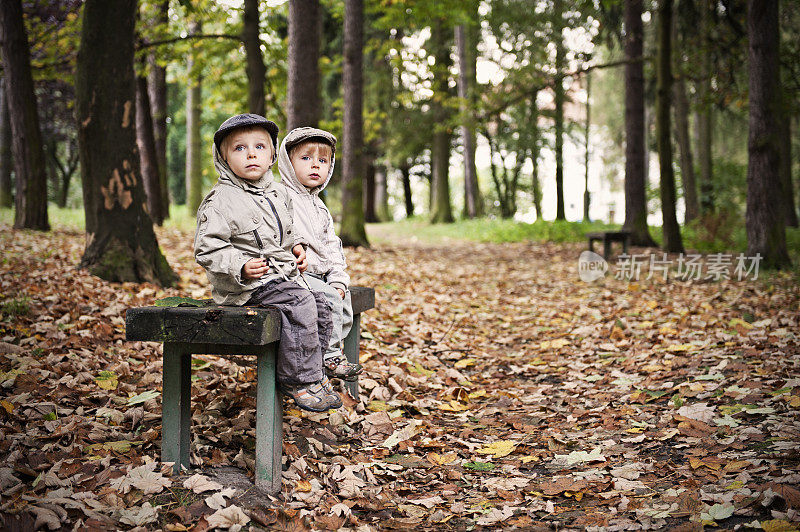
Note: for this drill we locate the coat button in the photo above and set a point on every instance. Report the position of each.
(255, 220)
(289, 232)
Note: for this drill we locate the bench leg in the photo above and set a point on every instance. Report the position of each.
(606, 248)
(269, 424)
(175, 410)
(626, 244)
(351, 352)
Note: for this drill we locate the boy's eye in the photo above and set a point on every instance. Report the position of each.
(323, 160)
(260, 146)
(239, 148)
(305, 157)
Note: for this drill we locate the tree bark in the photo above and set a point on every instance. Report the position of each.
(787, 187)
(6, 193)
(586, 195)
(682, 138)
(405, 170)
(635, 200)
(193, 176)
(148, 160)
(370, 215)
(688, 178)
(382, 194)
(466, 46)
(766, 233)
(441, 209)
(558, 14)
(353, 232)
(302, 93)
(157, 88)
(120, 242)
(671, 230)
(704, 114)
(29, 164)
(256, 71)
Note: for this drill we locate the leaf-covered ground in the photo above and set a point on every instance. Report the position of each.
(501, 392)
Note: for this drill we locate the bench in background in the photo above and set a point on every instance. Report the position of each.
(608, 237)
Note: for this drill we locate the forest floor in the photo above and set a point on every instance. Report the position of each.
(501, 391)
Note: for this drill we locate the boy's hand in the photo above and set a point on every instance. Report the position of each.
(300, 253)
(254, 268)
(341, 292)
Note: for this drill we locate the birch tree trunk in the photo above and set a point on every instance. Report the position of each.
(148, 160)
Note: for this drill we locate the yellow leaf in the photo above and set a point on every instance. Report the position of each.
(794, 401)
(464, 363)
(695, 462)
(9, 407)
(529, 458)
(499, 448)
(303, 486)
(778, 525)
(652, 304)
(666, 329)
(681, 347)
(378, 406)
(479, 393)
(453, 406)
(740, 322)
(441, 459)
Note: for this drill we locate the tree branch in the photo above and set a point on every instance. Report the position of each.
(145, 45)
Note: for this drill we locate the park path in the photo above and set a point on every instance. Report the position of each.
(501, 391)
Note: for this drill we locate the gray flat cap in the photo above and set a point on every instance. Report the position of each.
(247, 120)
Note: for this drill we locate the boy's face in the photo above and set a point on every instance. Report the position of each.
(248, 153)
(312, 163)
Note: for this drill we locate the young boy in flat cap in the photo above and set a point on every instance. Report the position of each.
(305, 162)
(246, 242)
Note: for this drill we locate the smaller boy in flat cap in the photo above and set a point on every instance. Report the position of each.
(246, 242)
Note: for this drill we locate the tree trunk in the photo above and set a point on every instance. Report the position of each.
(303, 106)
(558, 14)
(148, 160)
(787, 187)
(586, 195)
(382, 194)
(688, 178)
(635, 200)
(353, 232)
(6, 193)
(370, 215)
(29, 163)
(536, 187)
(157, 88)
(194, 177)
(405, 170)
(256, 71)
(671, 230)
(704, 117)
(766, 233)
(466, 46)
(441, 209)
(120, 242)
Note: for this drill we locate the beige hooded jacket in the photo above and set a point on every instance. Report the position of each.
(237, 221)
(312, 218)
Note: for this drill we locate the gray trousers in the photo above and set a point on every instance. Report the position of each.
(341, 314)
(305, 329)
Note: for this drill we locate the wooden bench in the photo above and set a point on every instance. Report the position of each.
(608, 237)
(202, 327)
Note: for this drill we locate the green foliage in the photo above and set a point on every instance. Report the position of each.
(20, 306)
(485, 230)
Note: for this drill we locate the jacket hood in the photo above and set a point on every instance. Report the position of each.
(226, 174)
(285, 168)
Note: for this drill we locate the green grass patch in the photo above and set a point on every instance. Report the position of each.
(482, 230)
(75, 220)
(20, 306)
